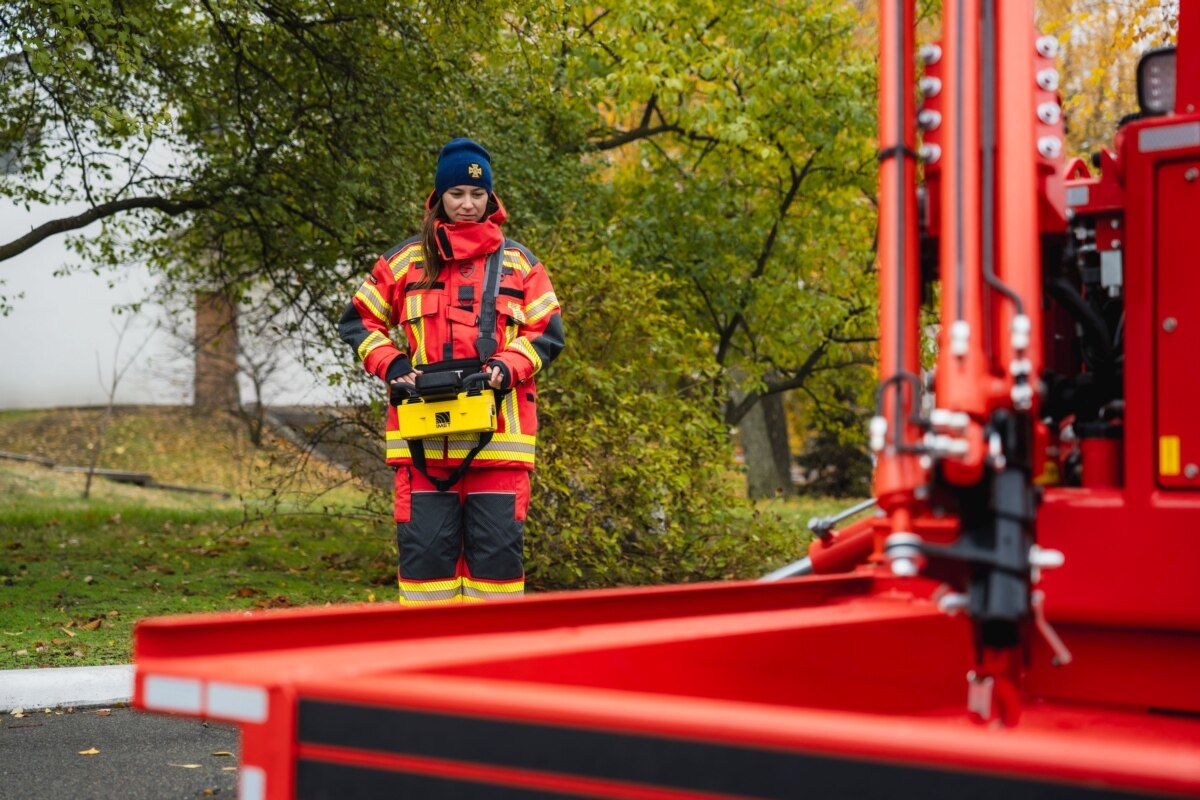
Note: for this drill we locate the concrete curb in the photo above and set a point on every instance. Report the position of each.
(36, 689)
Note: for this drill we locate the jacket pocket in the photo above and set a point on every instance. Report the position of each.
(418, 317)
(418, 305)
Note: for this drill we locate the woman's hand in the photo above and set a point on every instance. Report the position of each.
(496, 379)
(410, 378)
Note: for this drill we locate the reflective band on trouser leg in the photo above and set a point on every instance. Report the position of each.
(430, 593)
(494, 528)
(430, 544)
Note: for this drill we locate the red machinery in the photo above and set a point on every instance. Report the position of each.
(1021, 618)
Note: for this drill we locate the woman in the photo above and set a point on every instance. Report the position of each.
(460, 518)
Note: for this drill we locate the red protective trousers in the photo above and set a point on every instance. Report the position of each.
(465, 544)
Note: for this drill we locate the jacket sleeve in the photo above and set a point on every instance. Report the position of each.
(368, 318)
(539, 337)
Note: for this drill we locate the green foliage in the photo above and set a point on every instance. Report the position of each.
(634, 482)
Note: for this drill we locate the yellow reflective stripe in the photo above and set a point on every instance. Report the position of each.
(516, 313)
(418, 332)
(374, 339)
(506, 446)
(406, 259)
(522, 345)
(430, 592)
(412, 306)
(426, 587)
(512, 420)
(514, 259)
(542, 307)
(374, 300)
(404, 601)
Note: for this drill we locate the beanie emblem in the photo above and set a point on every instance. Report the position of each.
(475, 171)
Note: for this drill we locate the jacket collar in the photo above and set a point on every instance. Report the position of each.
(458, 241)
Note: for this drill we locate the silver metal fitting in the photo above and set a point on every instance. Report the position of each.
(940, 446)
(952, 603)
(1022, 396)
(996, 452)
(960, 337)
(1047, 46)
(930, 153)
(877, 430)
(945, 419)
(1041, 558)
(1047, 79)
(1049, 146)
(1049, 113)
(929, 53)
(930, 86)
(903, 554)
(928, 119)
(1021, 326)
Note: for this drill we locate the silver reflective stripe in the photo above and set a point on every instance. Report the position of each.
(243, 703)
(252, 783)
(1078, 195)
(469, 591)
(171, 694)
(1169, 137)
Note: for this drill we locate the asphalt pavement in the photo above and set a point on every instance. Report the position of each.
(68, 733)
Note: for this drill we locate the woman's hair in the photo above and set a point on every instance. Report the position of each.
(433, 261)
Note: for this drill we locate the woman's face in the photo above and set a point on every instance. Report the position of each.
(465, 203)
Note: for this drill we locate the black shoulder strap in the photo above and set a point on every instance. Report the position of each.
(485, 345)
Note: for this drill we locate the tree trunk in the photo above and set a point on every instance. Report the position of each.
(216, 378)
(764, 435)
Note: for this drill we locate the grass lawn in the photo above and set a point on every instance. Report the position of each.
(75, 574)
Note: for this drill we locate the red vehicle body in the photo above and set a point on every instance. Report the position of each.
(1021, 617)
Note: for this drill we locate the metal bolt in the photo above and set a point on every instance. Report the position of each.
(1191, 174)
(1116, 244)
(1191, 471)
(1114, 223)
(1170, 324)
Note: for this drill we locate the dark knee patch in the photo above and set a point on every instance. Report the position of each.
(494, 536)
(430, 542)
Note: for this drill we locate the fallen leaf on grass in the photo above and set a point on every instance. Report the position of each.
(225, 753)
(245, 591)
(91, 625)
(278, 601)
(185, 766)
(67, 632)
(91, 751)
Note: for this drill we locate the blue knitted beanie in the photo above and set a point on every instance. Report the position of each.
(463, 161)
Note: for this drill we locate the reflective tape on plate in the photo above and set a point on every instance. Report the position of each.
(161, 693)
(252, 783)
(236, 702)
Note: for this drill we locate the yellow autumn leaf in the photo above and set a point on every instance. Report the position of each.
(91, 751)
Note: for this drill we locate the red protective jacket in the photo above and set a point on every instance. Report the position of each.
(441, 323)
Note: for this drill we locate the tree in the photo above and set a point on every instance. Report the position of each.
(745, 168)
(1101, 45)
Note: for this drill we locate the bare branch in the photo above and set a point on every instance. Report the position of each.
(164, 205)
